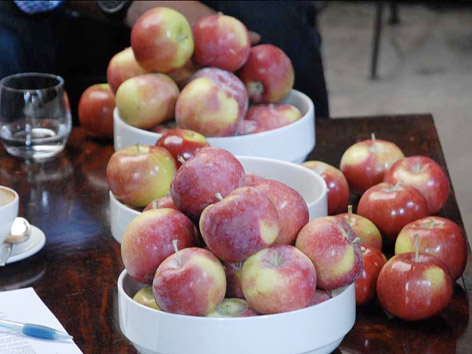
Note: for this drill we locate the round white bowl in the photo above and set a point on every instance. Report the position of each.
(289, 143)
(308, 183)
(315, 329)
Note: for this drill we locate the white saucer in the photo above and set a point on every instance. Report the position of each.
(23, 250)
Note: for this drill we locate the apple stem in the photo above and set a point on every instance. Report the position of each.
(417, 168)
(239, 264)
(417, 248)
(431, 223)
(356, 240)
(219, 196)
(155, 205)
(176, 250)
(372, 136)
(349, 209)
(276, 259)
(137, 148)
(397, 185)
(181, 159)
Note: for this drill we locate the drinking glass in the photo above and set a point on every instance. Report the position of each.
(35, 118)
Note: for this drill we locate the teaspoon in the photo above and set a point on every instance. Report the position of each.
(20, 232)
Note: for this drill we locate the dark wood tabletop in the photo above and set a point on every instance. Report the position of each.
(75, 274)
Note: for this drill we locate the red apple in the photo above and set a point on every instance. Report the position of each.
(249, 127)
(252, 179)
(338, 188)
(123, 66)
(319, 297)
(229, 308)
(221, 41)
(190, 282)
(147, 241)
(233, 280)
(213, 103)
(182, 75)
(139, 174)
(197, 182)
(368, 233)
(424, 174)
(366, 285)
(95, 111)
(278, 279)
(364, 164)
(391, 207)
(438, 236)
(414, 288)
(292, 209)
(182, 143)
(239, 225)
(273, 115)
(147, 100)
(162, 40)
(162, 202)
(330, 244)
(268, 73)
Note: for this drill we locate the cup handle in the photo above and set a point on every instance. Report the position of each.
(5, 251)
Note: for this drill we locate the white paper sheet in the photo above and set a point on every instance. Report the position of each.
(24, 305)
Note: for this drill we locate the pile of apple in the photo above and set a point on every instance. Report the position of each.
(204, 76)
(213, 240)
(398, 199)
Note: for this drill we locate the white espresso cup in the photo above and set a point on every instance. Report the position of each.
(9, 203)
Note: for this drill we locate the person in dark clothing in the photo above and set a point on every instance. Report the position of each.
(76, 40)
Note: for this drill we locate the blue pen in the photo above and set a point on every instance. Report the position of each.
(34, 330)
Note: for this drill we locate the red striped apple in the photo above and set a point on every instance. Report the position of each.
(183, 144)
(162, 40)
(368, 233)
(331, 245)
(292, 209)
(147, 241)
(213, 103)
(198, 181)
(221, 41)
(366, 284)
(95, 111)
(242, 223)
(190, 282)
(278, 279)
(268, 74)
(123, 66)
(338, 188)
(273, 115)
(438, 236)
(139, 174)
(147, 100)
(365, 163)
(424, 174)
(391, 207)
(414, 286)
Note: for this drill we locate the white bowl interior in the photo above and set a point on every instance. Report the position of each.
(308, 183)
(316, 329)
(290, 143)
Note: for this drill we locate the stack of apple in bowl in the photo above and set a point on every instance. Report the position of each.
(236, 250)
(209, 79)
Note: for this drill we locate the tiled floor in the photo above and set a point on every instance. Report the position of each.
(425, 65)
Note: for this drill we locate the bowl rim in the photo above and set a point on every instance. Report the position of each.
(121, 292)
(308, 115)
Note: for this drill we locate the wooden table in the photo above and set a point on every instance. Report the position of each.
(75, 273)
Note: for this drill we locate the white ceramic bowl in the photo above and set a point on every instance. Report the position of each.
(309, 184)
(315, 329)
(290, 143)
